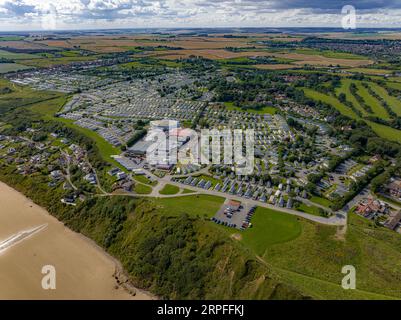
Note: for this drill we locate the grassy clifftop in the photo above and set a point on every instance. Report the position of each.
(177, 257)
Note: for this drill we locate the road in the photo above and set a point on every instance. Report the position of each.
(334, 220)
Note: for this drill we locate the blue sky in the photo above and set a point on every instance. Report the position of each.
(82, 14)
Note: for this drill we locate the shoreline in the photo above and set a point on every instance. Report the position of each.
(102, 264)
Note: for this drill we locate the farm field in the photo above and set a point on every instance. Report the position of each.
(17, 56)
(104, 44)
(10, 67)
(278, 66)
(49, 62)
(318, 60)
(330, 54)
(370, 71)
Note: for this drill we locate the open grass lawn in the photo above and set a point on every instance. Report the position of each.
(370, 71)
(49, 62)
(393, 102)
(345, 88)
(371, 101)
(17, 56)
(270, 227)
(142, 189)
(267, 109)
(309, 209)
(145, 180)
(169, 190)
(10, 67)
(330, 54)
(385, 131)
(185, 191)
(322, 201)
(313, 260)
(381, 130)
(394, 85)
(196, 205)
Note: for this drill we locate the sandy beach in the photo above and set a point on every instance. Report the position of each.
(31, 239)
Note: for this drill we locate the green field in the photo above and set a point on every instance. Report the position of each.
(393, 102)
(309, 209)
(11, 67)
(169, 190)
(332, 101)
(371, 101)
(330, 54)
(17, 56)
(11, 38)
(313, 260)
(48, 62)
(206, 205)
(142, 189)
(381, 130)
(269, 110)
(385, 131)
(345, 88)
(270, 227)
(370, 71)
(394, 85)
(322, 201)
(144, 179)
(18, 96)
(47, 109)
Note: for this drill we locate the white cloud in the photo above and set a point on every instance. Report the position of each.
(73, 14)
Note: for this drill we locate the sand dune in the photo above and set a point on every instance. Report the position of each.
(30, 238)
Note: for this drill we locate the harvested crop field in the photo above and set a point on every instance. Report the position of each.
(299, 59)
(23, 45)
(118, 44)
(214, 54)
(275, 66)
(302, 59)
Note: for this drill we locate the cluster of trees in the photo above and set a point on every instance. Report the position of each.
(342, 97)
(5, 60)
(382, 101)
(138, 135)
(354, 91)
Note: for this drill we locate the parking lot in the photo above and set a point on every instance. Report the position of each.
(234, 214)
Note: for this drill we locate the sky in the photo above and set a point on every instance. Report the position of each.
(24, 15)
